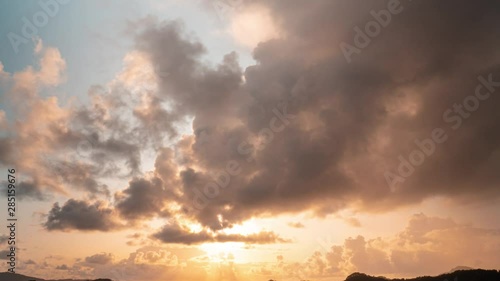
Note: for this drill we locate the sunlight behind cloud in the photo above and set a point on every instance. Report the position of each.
(236, 252)
(249, 140)
(252, 26)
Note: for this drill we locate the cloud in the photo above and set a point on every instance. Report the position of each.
(263, 237)
(4, 253)
(52, 67)
(142, 199)
(338, 126)
(181, 235)
(296, 224)
(3, 120)
(101, 258)
(428, 245)
(62, 267)
(27, 190)
(3, 238)
(80, 175)
(62, 147)
(147, 197)
(28, 82)
(43, 137)
(81, 215)
(145, 263)
(153, 262)
(30, 190)
(352, 221)
(175, 233)
(352, 120)
(30, 262)
(154, 256)
(252, 25)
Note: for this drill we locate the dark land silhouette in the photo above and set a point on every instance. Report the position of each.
(7, 276)
(458, 275)
(454, 275)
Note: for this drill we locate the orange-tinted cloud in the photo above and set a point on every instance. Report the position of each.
(428, 245)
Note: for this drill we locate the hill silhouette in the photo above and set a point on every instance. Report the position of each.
(7, 276)
(459, 275)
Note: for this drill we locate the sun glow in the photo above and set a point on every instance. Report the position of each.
(238, 252)
(246, 228)
(219, 252)
(252, 26)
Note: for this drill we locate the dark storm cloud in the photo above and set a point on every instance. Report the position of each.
(178, 234)
(30, 190)
(27, 190)
(4, 253)
(193, 88)
(62, 267)
(6, 150)
(142, 199)
(307, 128)
(146, 198)
(80, 175)
(81, 215)
(101, 258)
(352, 120)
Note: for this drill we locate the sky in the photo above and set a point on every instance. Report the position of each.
(250, 139)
